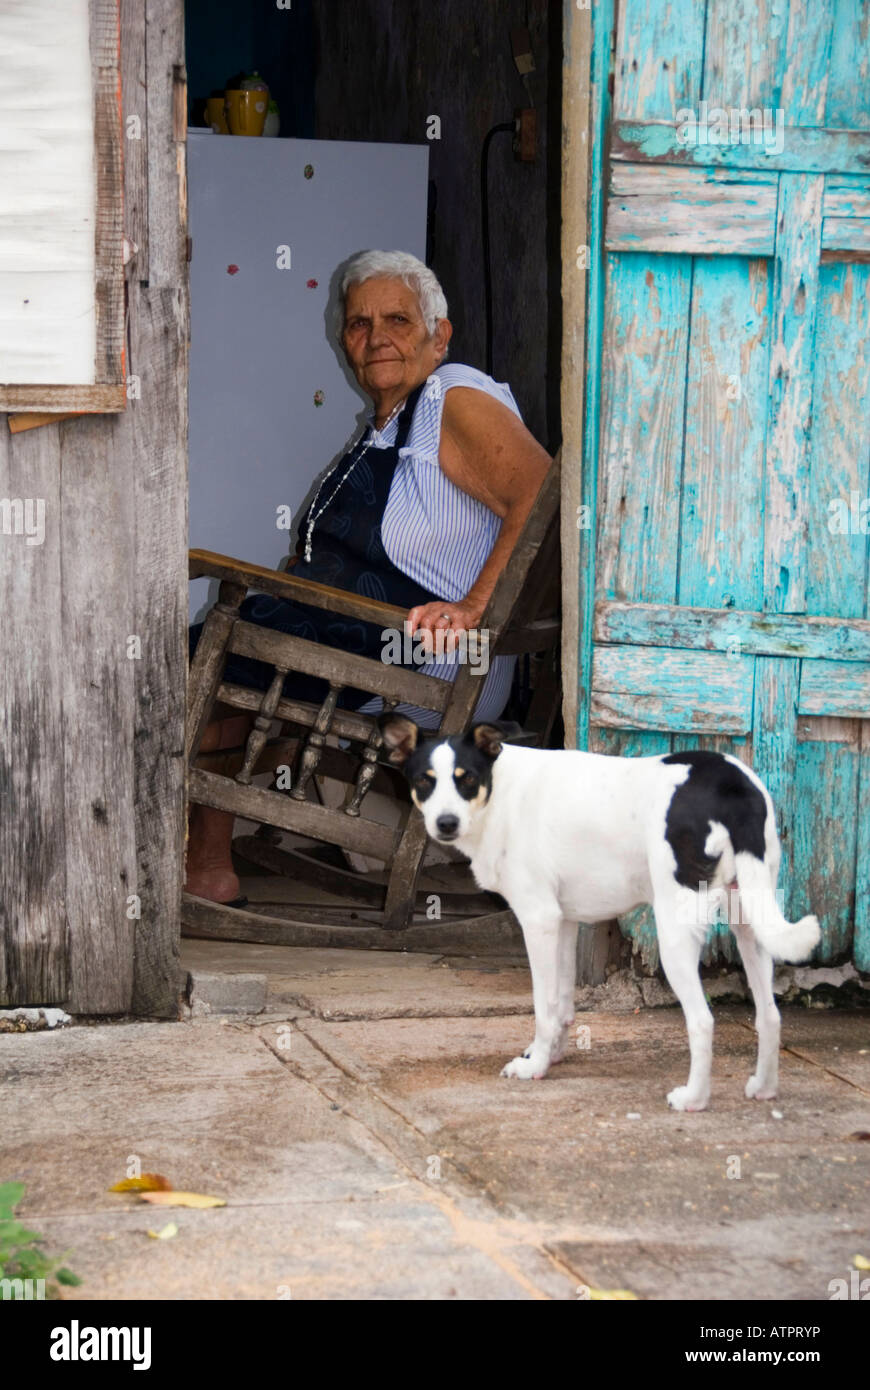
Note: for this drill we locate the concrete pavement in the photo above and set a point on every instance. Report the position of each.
(367, 1147)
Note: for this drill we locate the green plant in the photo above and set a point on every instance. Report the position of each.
(20, 1257)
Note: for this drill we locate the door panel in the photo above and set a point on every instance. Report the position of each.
(730, 552)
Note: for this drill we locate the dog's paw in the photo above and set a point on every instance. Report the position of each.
(523, 1067)
(680, 1098)
(756, 1091)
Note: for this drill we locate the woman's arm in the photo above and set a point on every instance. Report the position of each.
(487, 451)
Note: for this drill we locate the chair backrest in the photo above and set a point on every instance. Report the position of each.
(525, 604)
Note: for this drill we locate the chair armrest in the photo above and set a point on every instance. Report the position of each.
(205, 563)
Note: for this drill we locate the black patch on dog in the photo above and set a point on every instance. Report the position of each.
(475, 764)
(423, 784)
(714, 790)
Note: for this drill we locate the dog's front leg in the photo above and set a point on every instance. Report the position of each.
(542, 935)
(567, 981)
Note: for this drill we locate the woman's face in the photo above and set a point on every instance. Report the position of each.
(385, 337)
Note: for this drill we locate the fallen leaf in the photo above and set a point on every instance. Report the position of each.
(148, 1182)
(166, 1232)
(860, 1134)
(611, 1295)
(181, 1199)
(860, 1262)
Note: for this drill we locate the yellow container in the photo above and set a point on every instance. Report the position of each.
(246, 111)
(216, 112)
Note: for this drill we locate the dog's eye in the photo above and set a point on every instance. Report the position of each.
(468, 781)
(423, 786)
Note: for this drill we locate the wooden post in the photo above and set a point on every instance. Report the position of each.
(92, 805)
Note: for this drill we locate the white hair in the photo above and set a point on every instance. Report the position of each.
(393, 265)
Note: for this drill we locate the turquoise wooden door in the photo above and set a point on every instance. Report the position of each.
(725, 549)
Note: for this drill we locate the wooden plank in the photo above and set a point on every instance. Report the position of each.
(846, 196)
(744, 53)
(160, 333)
(807, 62)
(662, 688)
(804, 149)
(825, 843)
(861, 943)
(722, 492)
(134, 112)
(157, 450)
(753, 634)
(795, 296)
(833, 687)
(281, 585)
(837, 549)
(774, 758)
(98, 715)
(707, 211)
(167, 166)
(846, 215)
(642, 416)
(33, 958)
(829, 728)
(599, 126)
(346, 668)
(109, 229)
(576, 116)
(659, 58)
(846, 234)
(693, 211)
(65, 400)
(849, 73)
(207, 665)
(624, 710)
(303, 817)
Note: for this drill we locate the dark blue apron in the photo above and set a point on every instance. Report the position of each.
(347, 553)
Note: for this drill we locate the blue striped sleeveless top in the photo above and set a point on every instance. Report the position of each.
(437, 533)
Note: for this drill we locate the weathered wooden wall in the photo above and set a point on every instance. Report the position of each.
(382, 69)
(91, 740)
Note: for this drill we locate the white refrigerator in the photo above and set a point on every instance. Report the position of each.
(272, 403)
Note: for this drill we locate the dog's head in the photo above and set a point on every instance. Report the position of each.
(451, 778)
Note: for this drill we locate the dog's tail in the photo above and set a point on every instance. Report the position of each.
(790, 941)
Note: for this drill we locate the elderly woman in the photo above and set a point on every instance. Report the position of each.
(422, 512)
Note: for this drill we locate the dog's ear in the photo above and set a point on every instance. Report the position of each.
(488, 739)
(399, 735)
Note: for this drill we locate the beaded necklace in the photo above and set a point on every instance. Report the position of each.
(313, 515)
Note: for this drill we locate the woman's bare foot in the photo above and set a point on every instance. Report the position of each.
(210, 873)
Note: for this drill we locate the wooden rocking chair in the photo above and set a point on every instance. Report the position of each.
(522, 617)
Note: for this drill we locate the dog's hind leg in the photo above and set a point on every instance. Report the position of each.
(542, 933)
(758, 965)
(680, 940)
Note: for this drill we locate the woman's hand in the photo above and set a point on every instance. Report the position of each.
(444, 616)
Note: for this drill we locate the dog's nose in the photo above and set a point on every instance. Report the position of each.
(447, 825)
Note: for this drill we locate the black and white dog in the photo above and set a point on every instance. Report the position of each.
(569, 837)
